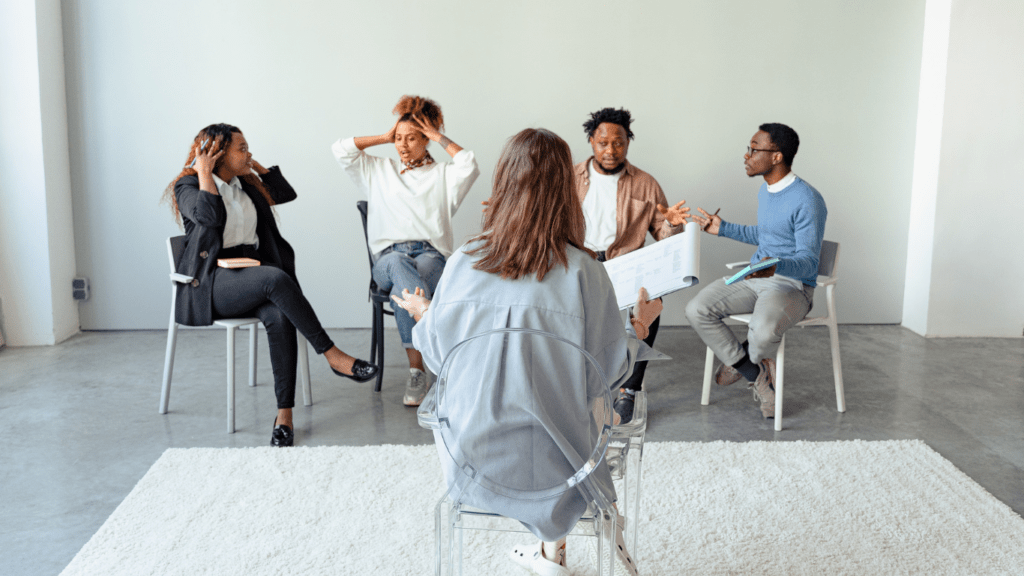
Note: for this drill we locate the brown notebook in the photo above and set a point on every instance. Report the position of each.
(237, 262)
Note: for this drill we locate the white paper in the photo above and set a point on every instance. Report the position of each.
(661, 268)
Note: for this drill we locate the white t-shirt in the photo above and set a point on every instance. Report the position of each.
(415, 206)
(599, 209)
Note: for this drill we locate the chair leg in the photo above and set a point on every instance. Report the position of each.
(231, 379)
(780, 368)
(380, 345)
(373, 336)
(307, 391)
(709, 364)
(837, 363)
(172, 342)
(252, 353)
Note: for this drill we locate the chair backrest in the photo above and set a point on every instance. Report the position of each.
(362, 207)
(523, 414)
(175, 248)
(828, 258)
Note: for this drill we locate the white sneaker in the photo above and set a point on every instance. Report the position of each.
(529, 556)
(416, 387)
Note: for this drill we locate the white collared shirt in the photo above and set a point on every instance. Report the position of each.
(782, 184)
(599, 208)
(240, 224)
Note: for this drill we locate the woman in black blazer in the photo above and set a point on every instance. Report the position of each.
(225, 209)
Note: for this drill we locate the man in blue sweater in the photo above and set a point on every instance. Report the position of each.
(790, 225)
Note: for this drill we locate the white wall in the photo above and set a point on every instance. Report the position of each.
(37, 257)
(699, 77)
(974, 286)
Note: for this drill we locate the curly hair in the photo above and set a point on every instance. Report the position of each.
(785, 138)
(620, 117)
(221, 136)
(412, 105)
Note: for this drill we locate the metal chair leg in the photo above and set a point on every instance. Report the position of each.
(231, 379)
(709, 364)
(379, 314)
(172, 341)
(780, 367)
(307, 391)
(252, 354)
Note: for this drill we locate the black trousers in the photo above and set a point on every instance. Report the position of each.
(636, 380)
(270, 294)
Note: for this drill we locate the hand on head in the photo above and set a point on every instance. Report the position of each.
(206, 159)
(675, 215)
(415, 304)
(423, 126)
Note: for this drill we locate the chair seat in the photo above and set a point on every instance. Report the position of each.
(236, 322)
(812, 321)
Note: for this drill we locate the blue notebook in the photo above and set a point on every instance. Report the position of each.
(751, 269)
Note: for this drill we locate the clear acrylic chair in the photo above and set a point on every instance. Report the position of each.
(507, 371)
(175, 247)
(827, 266)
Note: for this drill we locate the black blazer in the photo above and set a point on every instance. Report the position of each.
(203, 216)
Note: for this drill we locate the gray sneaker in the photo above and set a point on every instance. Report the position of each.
(764, 388)
(416, 388)
(726, 375)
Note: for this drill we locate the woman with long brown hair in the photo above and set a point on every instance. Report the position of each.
(223, 198)
(410, 205)
(529, 269)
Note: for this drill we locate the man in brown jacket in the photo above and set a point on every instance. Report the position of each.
(621, 203)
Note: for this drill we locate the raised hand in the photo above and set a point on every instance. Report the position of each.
(675, 215)
(415, 304)
(205, 159)
(422, 125)
(389, 136)
(257, 167)
(709, 223)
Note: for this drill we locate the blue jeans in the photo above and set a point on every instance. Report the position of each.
(406, 266)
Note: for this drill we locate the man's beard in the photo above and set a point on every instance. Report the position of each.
(612, 171)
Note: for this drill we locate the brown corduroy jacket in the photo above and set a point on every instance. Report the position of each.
(635, 208)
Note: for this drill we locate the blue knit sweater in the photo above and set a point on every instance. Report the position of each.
(790, 226)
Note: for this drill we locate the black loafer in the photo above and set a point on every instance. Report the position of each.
(361, 371)
(282, 435)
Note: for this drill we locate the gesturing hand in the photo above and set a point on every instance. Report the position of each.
(205, 160)
(766, 273)
(675, 215)
(709, 223)
(415, 304)
(645, 312)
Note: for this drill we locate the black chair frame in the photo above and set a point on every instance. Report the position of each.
(378, 298)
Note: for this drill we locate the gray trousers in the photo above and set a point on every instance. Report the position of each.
(777, 303)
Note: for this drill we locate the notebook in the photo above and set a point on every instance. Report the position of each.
(751, 269)
(237, 262)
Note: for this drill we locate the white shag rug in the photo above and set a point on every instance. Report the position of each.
(856, 507)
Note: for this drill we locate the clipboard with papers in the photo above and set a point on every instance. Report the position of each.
(662, 268)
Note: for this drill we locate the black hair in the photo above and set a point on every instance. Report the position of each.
(785, 138)
(620, 117)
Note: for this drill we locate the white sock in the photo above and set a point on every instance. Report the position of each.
(415, 371)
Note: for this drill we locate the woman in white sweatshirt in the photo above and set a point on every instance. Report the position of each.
(410, 207)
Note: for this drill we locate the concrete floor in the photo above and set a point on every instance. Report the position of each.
(83, 427)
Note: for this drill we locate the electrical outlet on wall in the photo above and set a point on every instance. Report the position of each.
(80, 288)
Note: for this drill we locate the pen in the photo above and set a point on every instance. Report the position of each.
(704, 228)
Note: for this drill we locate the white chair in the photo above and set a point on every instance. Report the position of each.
(480, 459)
(827, 268)
(175, 247)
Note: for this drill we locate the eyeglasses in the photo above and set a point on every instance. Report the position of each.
(750, 151)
